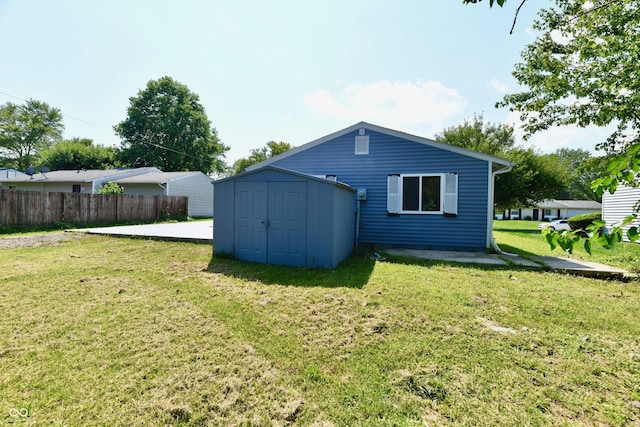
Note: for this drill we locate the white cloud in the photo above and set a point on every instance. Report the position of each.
(557, 137)
(498, 86)
(408, 106)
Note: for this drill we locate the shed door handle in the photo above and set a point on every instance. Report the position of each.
(266, 223)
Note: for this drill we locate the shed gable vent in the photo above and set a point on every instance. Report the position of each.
(362, 145)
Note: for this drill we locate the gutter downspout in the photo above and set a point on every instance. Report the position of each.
(490, 237)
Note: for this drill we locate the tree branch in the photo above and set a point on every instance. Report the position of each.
(515, 18)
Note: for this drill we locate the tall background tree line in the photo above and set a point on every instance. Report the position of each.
(154, 134)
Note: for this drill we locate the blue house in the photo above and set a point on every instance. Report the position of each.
(411, 191)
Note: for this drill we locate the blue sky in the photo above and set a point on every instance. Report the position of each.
(280, 70)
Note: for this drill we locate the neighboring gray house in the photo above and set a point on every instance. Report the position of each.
(195, 185)
(278, 216)
(70, 181)
(617, 206)
(555, 208)
(412, 192)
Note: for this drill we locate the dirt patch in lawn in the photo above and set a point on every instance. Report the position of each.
(32, 241)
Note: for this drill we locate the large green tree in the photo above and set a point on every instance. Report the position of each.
(532, 179)
(78, 153)
(581, 70)
(272, 148)
(25, 129)
(581, 169)
(167, 127)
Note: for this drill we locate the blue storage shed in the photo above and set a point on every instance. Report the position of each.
(278, 216)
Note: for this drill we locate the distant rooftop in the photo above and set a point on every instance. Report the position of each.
(580, 204)
(80, 175)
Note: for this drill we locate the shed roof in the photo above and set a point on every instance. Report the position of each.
(502, 164)
(80, 175)
(289, 172)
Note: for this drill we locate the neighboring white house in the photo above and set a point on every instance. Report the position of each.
(617, 206)
(195, 185)
(149, 180)
(554, 208)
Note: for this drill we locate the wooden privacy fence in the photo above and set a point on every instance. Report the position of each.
(44, 208)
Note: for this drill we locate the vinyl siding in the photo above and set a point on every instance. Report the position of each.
(615, 207)
(143, 189)
(392, 155)
(199, 190)
(53, 187)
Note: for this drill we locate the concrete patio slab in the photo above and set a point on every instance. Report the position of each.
(195, 231)
(572, 266)
(582, 268)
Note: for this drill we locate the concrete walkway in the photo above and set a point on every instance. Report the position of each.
(572, 266)
(192, 231)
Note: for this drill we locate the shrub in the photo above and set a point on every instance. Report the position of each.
(581, 222)
(110, 187)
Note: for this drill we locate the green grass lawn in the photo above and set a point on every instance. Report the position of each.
(118, 332)
(523, 237)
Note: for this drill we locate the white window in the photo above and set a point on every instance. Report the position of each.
(423, 194)
(362, 145)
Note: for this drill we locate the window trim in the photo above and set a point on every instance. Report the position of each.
(419, 212)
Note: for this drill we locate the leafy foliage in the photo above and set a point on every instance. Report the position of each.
(491, 2)
(26, 129)
(272, 148)
(78, 153)
(533, 177)
(582, 70)
(167, 127)
(581, 169)
(110, 187)
(596, 232)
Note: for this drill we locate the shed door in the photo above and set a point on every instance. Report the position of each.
(250, 233)
(271, 220)
(287, 230)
